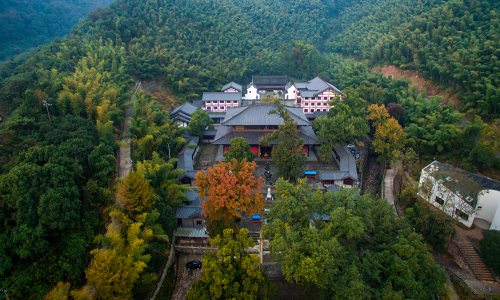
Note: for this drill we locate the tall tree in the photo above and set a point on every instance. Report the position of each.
(239, 150)
(288, 151)
(230, 273)
(199, 122)
(390, 140)
(344, 123)
(231, 191)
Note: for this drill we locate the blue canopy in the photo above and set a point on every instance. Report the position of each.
(308, 172)
(256, 217)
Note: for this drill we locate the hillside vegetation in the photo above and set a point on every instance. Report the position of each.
(25, 23)
(57, 163)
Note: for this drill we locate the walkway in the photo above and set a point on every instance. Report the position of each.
(125, 162)
(388, 188)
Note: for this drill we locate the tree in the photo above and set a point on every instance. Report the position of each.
(396, 111)
(230, 273)
(135, 193)
(344, 123)
(287, 153)
(59, 292)
(199, 122)
(389, 140)
(239, 150)
(117, 266)
(369, 253)
(231, 191)
(490, 250)
(378, 114)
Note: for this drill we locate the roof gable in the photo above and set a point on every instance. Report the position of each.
(233, 85)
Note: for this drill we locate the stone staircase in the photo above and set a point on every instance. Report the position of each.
(472, 258)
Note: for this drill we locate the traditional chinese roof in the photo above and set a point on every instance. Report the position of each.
(230, 85)
(193, 208)
(185, 156)
(183, 112)
(314, 87)
(191, 232)
(221, 96)
(262, 114)
(278, 81)
(347, 163)
(225, 134)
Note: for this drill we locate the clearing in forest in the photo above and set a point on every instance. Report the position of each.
(420, 83)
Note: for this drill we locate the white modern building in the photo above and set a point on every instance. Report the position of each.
(468, 198)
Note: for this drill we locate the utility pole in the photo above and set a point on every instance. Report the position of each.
(47, 104)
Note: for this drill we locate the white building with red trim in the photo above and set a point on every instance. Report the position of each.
(312, 96)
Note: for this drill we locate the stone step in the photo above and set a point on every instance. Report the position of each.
(474, 260)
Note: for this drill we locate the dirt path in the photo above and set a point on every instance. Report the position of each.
(124, 160)
(420, 83)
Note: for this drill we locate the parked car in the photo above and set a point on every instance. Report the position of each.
(193, 264)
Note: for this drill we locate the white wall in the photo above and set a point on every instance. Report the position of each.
(451, 200)
(489, 201)
(290, 95)
(252, 93)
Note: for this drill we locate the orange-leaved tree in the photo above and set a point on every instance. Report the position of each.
(231, 190)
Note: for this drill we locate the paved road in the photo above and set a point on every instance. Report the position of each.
(388, 187)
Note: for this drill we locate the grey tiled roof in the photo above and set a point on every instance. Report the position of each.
(260, 114)
(221, 96)
(233, 85)
(191, 232)
(314, 87)
(270, 80)
(185, 156)
(225, 134)
(347, 162)
(186, 212)
(333, 175)
(186, 108)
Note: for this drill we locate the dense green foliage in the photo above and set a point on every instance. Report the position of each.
(240, 150)
(349, 246)
(57, 162)
(436, 227)
(25, 24)
(456, 44)
(490, 250)
(231, 273)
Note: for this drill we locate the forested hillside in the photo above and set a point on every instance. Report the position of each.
(25, 24)
(455, 43)
(64, 104)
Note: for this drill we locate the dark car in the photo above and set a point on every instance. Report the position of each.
(194, 264)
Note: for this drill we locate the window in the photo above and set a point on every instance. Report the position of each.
(313, 110)
(199, 222)
(221, 107)
(306, 110)
(235, 101)
(461, 214)
(439, 200)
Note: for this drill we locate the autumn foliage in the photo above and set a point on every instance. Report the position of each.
(231, 190)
